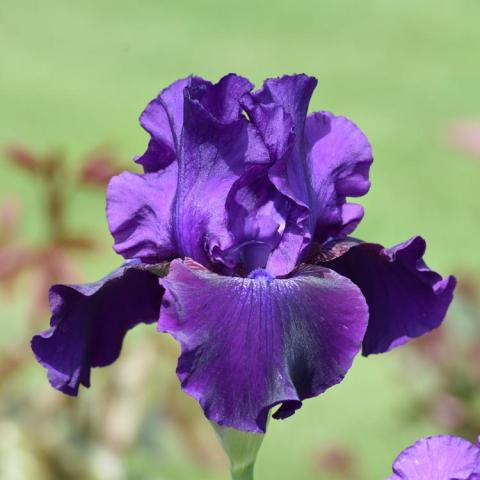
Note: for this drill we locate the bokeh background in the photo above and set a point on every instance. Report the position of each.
(74, 77)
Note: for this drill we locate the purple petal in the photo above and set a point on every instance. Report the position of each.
(278, 111)
(89, 323)
(139, 211)
(285, 131)
(318, 161)
(221, 100)
(441, 457)
(180, 210)
(405, 298)
(163, 119)
(292, 93)
(215, 154)
(338, 161)
(249, 344)
(257, 213)
(274, 124)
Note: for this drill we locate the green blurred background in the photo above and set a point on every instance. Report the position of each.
(75, 75)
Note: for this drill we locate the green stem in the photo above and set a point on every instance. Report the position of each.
(241, 448)
(245, 473)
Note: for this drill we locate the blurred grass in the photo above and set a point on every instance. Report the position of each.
(73, 74)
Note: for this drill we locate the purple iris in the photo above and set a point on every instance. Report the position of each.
(442, 457)
(236, 242)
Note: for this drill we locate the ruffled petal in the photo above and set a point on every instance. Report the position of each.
(338, 161)
(292, 93)
(180, 210)
(257, 214)
(273, 123)
(89, 323)
(440, 457)
(280, 114)
(249, 344)
(221, 100)
(317, 161)
(163, 119)
(216, 152)
(405, 298)
(139, 214)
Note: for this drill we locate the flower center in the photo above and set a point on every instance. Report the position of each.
(261, 274)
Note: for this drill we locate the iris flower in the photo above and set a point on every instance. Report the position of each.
(443, 457)
(236, 242)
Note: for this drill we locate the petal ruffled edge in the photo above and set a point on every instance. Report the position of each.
(406, 299)
(163, 119)
(249, 344)
(453, 456)
(139, 214)
(89, 323)
(339, 157)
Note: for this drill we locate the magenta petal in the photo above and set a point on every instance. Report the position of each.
(249, 344)
(405, 298)
(89, 323)
(443, 457)
(139, 211)
(338, 158)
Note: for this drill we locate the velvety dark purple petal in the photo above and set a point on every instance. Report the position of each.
(214, 155)
(89, 323)
(405, 298)
(338, 161)
(249, 344)
(442, 457)
(163, 119)
(139, 213)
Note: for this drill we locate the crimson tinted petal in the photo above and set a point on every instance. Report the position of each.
(89, 323)
(405, 298)
(249, 344)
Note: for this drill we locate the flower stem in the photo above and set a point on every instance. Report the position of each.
(245, 473)
(241, 448)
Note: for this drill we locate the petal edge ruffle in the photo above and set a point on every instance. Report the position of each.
(89, 323)
(249, 344)
(406, 299)
(441, 456)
